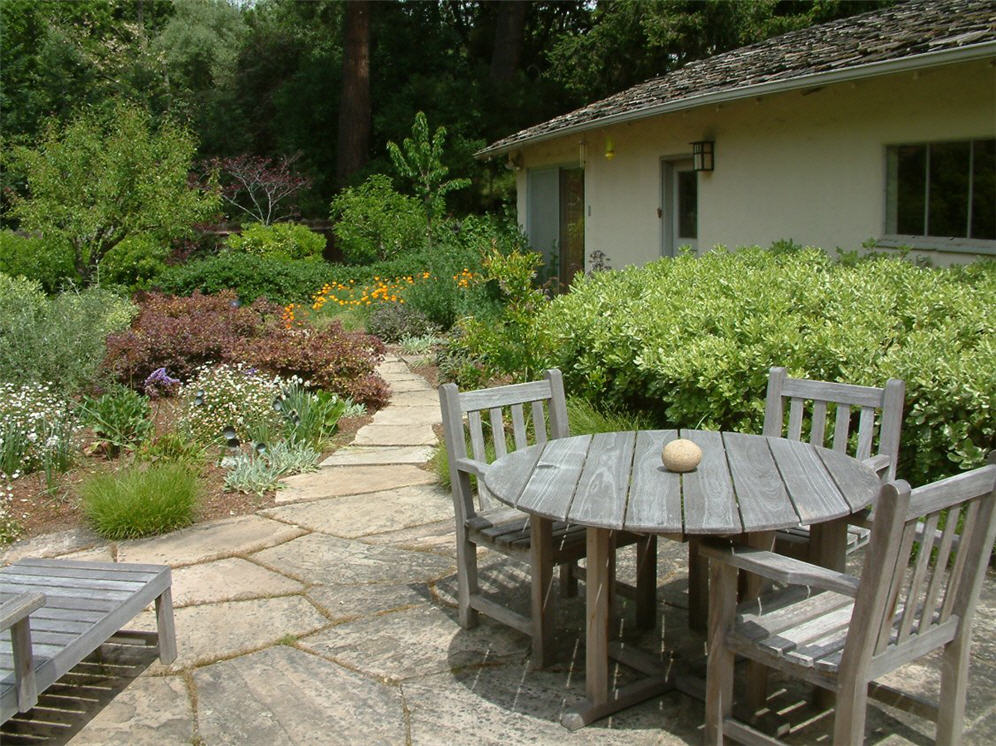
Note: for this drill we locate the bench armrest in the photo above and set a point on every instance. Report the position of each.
(780, 568)
(14, 615)
(472, 466)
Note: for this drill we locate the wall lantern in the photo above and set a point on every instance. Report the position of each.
(610, 148)
(702, 155)
(514, 162)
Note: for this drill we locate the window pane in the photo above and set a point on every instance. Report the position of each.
(984, 189)
(688, 204)
(911, 172)
(948, 211)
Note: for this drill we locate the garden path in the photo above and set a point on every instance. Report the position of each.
(330, 618)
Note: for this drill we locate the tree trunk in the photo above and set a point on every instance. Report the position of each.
(509, 26)
(354, 109)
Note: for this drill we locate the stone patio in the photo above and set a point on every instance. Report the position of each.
(331, 619)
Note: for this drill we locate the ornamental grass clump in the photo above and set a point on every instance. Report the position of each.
(141, 500)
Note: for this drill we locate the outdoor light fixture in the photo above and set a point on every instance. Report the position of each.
(702, 155)
(610, 148)
(514, 162)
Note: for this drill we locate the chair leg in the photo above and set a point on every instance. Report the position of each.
(849, 719)
(954, 686)
(466, 581)
(719, 664)
(165, 628)
(569, 579)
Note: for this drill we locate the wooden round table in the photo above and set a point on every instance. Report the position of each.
(745, 484)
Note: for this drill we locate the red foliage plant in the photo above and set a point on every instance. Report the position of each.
(181, 334)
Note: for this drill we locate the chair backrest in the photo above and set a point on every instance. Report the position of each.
(923, 569)
(496, 421)
(843, 402)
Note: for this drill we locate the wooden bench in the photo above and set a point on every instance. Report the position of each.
(54, 613)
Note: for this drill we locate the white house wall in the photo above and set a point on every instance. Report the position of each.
(807, 166)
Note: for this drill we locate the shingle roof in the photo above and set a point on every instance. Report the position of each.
(921, 29)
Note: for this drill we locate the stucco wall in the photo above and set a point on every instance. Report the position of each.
(805, 165)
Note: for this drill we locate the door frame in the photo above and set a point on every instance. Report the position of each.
(670, 240)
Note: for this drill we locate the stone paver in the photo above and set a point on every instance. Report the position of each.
(211, 632)
(208, 541)
(395, 435)
(285, 696)
(324, 560)
(151, 711)
(413, 415)
(372, 456)
(336, 481)
(331, 618)
(415, 642)
(232, 579)
(359, 515)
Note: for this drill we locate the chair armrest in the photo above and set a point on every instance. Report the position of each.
(18, 608)
(879, 463)
(780, 568)
(472, 466)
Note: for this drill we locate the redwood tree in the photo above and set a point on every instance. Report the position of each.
(353, 144)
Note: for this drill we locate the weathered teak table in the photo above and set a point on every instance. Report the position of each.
(745, 484)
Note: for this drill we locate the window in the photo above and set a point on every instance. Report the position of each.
(945, 189)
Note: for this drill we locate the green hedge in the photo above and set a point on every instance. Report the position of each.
(690, 341)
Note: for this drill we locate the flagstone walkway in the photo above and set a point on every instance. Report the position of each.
(330, 618)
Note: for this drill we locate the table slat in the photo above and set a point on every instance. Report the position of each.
(764, 504)
(550, 491)
(600, 497)
(859, 486)
(655, 493)
(810, 486)
(709, 504)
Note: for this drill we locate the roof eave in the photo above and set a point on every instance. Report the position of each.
(967, 53)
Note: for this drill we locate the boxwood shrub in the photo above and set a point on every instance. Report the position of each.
(690, 341)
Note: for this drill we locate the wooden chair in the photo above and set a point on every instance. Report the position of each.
(917, 592)
(817, 402)
(487, 413)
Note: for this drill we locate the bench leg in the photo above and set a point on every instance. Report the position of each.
(164, 624)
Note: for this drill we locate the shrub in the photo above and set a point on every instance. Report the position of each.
(690, 341)
(373, 222)
(140, 501)
(230, 396)
(57, 340)
(278, 241)
(507, 342)
(49, 263)
(330, 359)
(135, 262)
(249, 277)
(182, 334)
(120, 418)
(393, 322)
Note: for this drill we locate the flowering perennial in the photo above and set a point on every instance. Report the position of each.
(37, 429)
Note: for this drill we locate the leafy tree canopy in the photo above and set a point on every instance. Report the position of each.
(107, 177)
